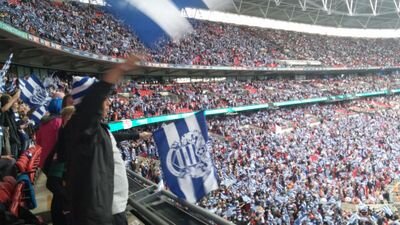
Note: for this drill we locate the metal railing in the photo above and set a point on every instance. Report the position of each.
(164, 208)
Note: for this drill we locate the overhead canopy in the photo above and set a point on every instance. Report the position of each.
(377, 14)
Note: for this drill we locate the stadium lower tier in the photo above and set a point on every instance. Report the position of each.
(321, 163)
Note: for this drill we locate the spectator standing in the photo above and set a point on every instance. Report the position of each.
(92, 165)
(47, 135)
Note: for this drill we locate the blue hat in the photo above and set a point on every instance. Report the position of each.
(55, 106)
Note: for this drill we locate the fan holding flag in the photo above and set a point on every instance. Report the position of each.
(97, 183)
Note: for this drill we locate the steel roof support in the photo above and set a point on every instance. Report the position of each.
(373, 4)
(316, 18)
(303, 4)
(350, 6)
(397, 5)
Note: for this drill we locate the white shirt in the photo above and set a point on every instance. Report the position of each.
(121, 185)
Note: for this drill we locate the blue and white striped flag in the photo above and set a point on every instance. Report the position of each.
(37, 115)
(157, 20)
(33, 92)
(186, 162)
(4, 71)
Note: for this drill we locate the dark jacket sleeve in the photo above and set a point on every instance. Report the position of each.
(126, 135)
(89, 112)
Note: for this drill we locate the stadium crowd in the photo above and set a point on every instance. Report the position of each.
(299, 165)
(152, 99)
(72, 24)
(285, 166)
(91, 28)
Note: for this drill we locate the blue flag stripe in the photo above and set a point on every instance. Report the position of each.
(185, 182)
(162, 145)
(201, 119)
(35, 81)
(198, 183)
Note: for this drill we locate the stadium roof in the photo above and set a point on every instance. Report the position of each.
(375, 14)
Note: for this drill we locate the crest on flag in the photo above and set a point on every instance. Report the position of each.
(189, 156)
(33, 92)
(186, 162)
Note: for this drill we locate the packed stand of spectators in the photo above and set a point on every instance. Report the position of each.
(91, 28)
(329, 156)
(149, 99)
(76, 25)
(233, 45)
(303, 175)
(19, 161)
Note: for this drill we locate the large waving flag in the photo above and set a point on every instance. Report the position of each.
(186, 162)
(33, 92)
(155, 20)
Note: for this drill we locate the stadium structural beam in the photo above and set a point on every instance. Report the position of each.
(266, 11)
(373, 4)
(327, 6)
(303, 4)
(237, 8)
(29, 57)
(293, 10)
(350, 6)
(316, 18)
(397, 5)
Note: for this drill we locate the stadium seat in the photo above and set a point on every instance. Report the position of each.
(28, 162)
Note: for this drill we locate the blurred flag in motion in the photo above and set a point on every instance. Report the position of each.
(156, 20)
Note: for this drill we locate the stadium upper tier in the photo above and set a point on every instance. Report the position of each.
(146, 100)
(90, 28)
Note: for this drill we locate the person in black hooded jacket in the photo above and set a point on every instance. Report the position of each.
(89, 154)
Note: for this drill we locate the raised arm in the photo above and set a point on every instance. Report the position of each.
(89, 112)
(13, 99)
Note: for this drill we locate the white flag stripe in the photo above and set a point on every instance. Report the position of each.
(192, 154)
(179, 158)
(165, 14)
(186, 157)
(185, 183)
(209, 182)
